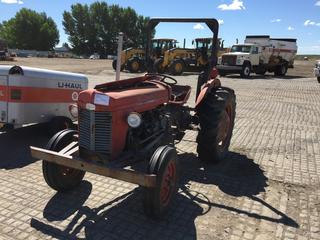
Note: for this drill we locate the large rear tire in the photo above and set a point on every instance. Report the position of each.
(163, 163)
(216, 115)
(58, 177)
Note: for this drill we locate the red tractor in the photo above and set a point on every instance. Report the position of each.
(140, 119)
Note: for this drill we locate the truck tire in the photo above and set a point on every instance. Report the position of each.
(281, 70)
(318, 79)
(133, 65)
(58, 177)
(246, 70)
(176, 67)
(157, 66)
(216, 116)
(114, 66)
(59, 123)
(164, 164)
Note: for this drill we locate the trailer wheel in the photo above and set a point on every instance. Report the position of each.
(133, 65)
(59, 123)
(246, 70)
(177, 67)
(157, 66)
(216, 115)
(58, 177)
(164, 164)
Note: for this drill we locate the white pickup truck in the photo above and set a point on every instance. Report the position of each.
(259, 54)
(317, 70)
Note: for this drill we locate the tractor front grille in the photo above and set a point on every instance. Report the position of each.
(229, 60)
(95, 130)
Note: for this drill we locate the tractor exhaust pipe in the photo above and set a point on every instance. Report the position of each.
(120, 43)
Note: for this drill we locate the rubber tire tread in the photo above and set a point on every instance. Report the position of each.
(210, 113)
(157, 166)
(51, 170)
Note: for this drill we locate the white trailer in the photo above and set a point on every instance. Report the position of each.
(32, 95)
(259, 54)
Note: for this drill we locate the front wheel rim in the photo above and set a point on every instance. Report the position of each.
(168, 183)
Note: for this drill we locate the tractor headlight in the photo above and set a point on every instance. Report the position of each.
(134, 120)
(73, 109)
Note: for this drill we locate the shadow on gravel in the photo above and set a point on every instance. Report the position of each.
(236, 176)
(123, 217)
(14, 145)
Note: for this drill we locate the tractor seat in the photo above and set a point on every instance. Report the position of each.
(180, 94)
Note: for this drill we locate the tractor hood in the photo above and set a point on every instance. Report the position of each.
(135, 96)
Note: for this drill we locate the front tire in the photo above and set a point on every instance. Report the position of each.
(216, 115)
(163, 163)
(58, 177)
(246, 70)
(177, 67)
(133, 65)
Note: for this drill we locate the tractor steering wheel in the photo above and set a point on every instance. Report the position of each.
(164, 76)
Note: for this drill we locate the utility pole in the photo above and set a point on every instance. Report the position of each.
(120, 43)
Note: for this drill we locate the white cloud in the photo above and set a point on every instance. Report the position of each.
(198, 26)
(275, 20)
(317, 3)
(311, 23)
(290, 28)
(235, 5)
(12, 1)
(220, 21)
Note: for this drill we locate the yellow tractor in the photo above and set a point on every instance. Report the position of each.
(132, 59)
(178, 60)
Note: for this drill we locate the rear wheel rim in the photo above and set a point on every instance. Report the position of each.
(168, 183)
(224, 128)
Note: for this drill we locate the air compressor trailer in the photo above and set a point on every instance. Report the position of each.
(32, 95)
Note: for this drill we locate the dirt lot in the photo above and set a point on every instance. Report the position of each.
(267, 187)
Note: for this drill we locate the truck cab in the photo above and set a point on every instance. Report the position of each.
(317, 70)
(241, 57)
(259, 54)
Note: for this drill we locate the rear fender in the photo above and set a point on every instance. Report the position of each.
(206, 88)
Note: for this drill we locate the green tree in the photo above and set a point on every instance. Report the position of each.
(30, 30)
(94, 28)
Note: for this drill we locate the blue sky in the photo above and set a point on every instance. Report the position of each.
(279, 18)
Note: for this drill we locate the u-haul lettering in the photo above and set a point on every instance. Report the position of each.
(69, 85)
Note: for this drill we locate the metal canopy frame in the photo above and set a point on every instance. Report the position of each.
(212, 24)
